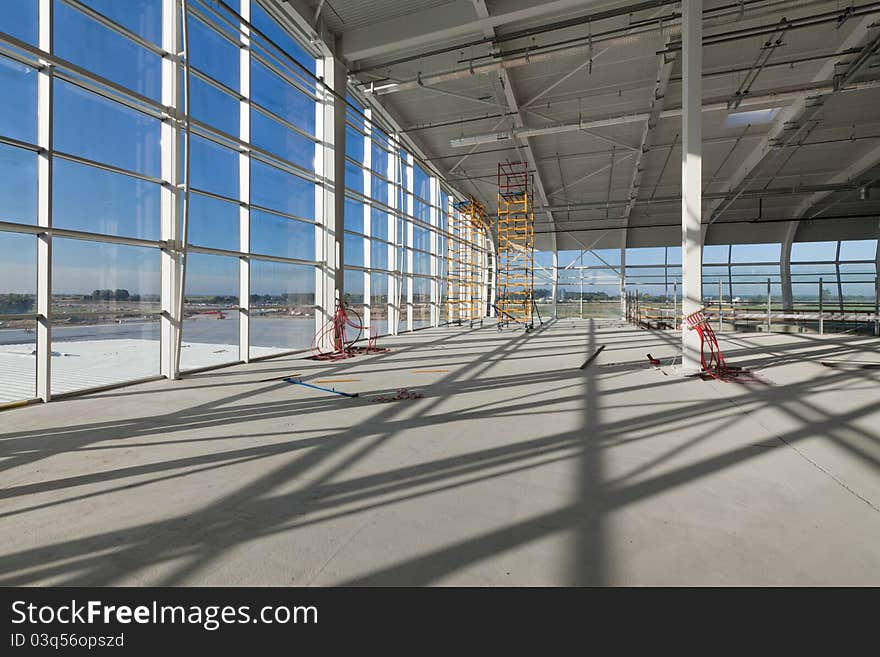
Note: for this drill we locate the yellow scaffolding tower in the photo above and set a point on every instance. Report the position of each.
(516, 245)
(466, 263)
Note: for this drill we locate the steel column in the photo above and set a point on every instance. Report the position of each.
(408, 241)
(691, 182)
(330, 197)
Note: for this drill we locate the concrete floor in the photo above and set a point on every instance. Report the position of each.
(515, 468)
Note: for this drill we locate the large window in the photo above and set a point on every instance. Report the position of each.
(18, 300)
(222, 192)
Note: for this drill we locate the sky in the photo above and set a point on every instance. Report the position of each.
(91, 199)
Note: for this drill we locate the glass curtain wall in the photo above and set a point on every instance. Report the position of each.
(251, 224)
(396, 229)
(108, 193)
(87, 161)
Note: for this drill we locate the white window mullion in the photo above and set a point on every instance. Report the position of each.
(394, 177)
(368, 182)
(244, 185)
(435, 263)
(320, 241)
(170, 193)
(408, 232)
(44, 207)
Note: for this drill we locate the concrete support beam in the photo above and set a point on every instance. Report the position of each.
(691, 178)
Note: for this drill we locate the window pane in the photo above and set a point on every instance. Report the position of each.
(354, 294)
(213, 54)
(421, 263)
(379, 190)
(379, 161)
(18, 295)
(354, 250)
(272, 136)
(19, 18)
(281, 316)
(89, 44)
(354, 177)
(756, 252)
(806, 251)
(378, 255)
(272, 92)
(105, 301)
(213, 168)
(712, 254)
(354, 216)
(102, 130)
(265, 24)
(421, 183)
(210, 326)
(278, 190)
(421, 302)
(379, 304)
(143, 17)
(98, 201)
(213, 223)
(378, 224)
(354, 144)
(858, 250)
(214, 106)
(18, 185)
(18, 119)
(282, 237)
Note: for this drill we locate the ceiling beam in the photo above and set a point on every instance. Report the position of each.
(510, 96)
(801, 93)
(792, 116)
(664, 72)
(857, 169)
(417, 30)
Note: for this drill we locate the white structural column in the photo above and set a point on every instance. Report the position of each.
(408, 231)
(408, 243)
(367, 230)
(555, 288)
(171, 189)
(434, 218)
(877, 291)
(691, 178)
(44, 207)
(785, 268)
(393, 175)
(329, 198)
(622, 289)
(244, 184)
